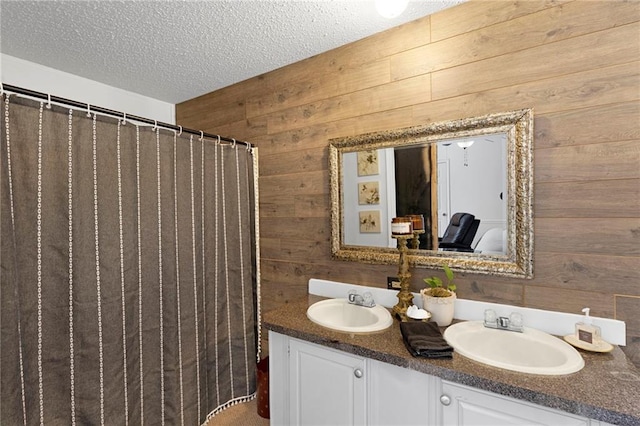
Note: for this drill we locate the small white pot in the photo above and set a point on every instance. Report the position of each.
(440, 308)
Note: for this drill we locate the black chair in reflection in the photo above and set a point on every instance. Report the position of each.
(460, 232)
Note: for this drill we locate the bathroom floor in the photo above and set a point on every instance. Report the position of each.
(245, 414)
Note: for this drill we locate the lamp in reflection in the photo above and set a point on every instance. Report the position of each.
(464, 145)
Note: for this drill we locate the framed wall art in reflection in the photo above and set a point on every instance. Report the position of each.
(368, 193)
(368, 162)
(370, 222)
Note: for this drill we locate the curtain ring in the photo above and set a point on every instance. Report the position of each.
(180, 130)
(248, 146)
(88, 110)
(201, 135)
(155, 125)
(233, 144)
(1, 89)
(48, 101)
(218, 141)
(124, 118)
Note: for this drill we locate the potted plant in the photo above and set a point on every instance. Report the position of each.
(439, 299)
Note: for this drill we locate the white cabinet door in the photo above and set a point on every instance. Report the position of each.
(464, 406)
(326, 387)
(279, 379)
(399, 396)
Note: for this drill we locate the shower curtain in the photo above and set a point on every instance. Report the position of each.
(129, 284)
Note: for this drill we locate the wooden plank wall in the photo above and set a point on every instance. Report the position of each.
(577, 63)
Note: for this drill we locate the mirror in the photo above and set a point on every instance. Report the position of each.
(481, 166)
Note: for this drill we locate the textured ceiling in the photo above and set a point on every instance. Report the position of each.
(177, 50)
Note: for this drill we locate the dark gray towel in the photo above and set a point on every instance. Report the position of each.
(424, 339)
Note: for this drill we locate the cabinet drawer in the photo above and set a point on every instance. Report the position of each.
(465, 406)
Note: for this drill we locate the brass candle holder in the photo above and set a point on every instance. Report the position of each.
(415, 241)
(405, 298)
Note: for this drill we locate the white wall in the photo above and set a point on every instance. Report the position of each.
(30, 75)
(387, 206)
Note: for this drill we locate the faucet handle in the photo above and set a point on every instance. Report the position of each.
(515, 319)
(351, 296)
(490, 316)
(368, 299)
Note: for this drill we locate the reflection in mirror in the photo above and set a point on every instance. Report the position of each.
(435, 181)
(469, 179)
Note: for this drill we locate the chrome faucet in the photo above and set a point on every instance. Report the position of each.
(511, 323)
(366, 299)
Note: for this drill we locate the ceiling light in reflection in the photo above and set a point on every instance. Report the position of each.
(464, 145)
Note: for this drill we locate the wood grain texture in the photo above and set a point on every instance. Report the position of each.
(588, 272)
(566, 57)
(478, 14)
(316, 182)
(379, 98)
(517, 35)
(320, 87)
(606, 161)
(562, 300)
(615, 236)
(627, 309)
(576, 63)
(509, 293)
(308, 160)
(575, 199)
(566, 128)
(316, 136)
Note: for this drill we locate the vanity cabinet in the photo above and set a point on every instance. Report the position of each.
(312, 384)
(465, 406)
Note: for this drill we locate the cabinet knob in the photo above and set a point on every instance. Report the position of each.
(445, 400)
(358, 373)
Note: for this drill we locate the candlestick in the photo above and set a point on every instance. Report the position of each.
(405, 298)
(415, 240)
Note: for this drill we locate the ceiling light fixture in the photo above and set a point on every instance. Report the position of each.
(465, 144)
(391, 8)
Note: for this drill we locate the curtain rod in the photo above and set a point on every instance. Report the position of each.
(110, 112)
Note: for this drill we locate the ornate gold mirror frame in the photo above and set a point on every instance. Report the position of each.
(518, 127)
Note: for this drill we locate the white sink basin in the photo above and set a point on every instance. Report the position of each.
(532, 351)
(340, 315)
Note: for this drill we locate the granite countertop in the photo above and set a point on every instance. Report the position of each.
(606, 389)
